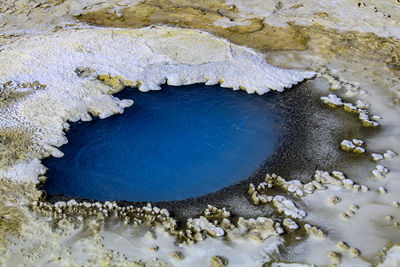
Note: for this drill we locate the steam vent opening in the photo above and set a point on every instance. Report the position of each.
(177, 143)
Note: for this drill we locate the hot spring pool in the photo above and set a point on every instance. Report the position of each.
(173, 144)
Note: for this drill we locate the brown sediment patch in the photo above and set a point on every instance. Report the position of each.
(11, 214)
(14, 144)
(116, 83)
(329, 43)
(10, 91)
(10, 222)
(201, 15)
(254, 32)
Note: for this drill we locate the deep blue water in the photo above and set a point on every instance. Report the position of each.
(172, 144)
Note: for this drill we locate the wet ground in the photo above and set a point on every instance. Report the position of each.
(307, 140)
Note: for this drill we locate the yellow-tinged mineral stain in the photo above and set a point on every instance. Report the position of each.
(14, 144)
(117, 83)
(324, 42)
(187, 14)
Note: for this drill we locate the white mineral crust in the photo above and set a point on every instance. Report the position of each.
(147, 57)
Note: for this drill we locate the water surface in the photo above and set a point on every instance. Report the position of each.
(173, 144)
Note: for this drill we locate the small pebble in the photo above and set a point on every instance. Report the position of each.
(389, 154)
(344, 215)
(358, 142)
(359, 150)
(334, 200)
(347, 145)
(376, 117)
(338, 175)
(376, 156)
(342, 245)
(355, 252)
(382, 169)
(218, 261)
(348, 182)
(154, 248)
(354, 207)
(177, 255)
(364, 188)
(350, 213)
(335, 256)
(362, 104)
(290, 224)
(377, 174)
(349, 107)
(382, 190)
(389, 218)
(356, 188)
